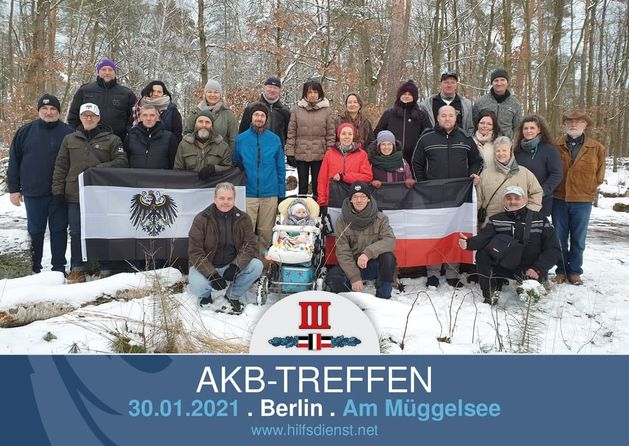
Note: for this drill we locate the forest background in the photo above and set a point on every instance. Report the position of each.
(561, 54)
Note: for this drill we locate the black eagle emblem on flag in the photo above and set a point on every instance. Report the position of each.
(153, 211)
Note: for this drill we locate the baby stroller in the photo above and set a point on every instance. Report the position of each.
(296, 254)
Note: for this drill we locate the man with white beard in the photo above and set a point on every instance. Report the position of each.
(203, 151)
(583, 160)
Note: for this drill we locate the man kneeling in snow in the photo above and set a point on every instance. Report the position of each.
(364, 245)
(516, 244)
(222, 247)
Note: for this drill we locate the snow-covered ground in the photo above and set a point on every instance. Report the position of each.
(590, 319)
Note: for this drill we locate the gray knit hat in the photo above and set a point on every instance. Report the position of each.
(499, 72)
(385, 136)
(213, 84)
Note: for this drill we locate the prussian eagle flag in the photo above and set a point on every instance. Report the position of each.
(427, 219)
(131, 214)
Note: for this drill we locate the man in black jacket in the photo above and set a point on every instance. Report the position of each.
(148, 144)
(538, 255)
(279, 114)
(29, 176)
(114, 101)
(446, 151)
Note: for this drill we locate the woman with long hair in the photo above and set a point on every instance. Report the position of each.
(534, 150)
(353, 115)
(487, 130)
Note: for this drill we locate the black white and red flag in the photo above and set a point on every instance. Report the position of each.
(426, 219)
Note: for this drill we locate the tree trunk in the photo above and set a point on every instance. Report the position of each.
(397, 55)
(202, 42)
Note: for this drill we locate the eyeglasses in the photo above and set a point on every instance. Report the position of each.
(357, 197)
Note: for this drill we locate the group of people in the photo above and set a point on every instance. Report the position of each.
(520, 175)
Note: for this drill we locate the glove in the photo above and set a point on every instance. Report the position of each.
(231, 272)
(217, 282)
(60, 200)
(206, 172)
(409, 183)
(376, 184)
(323, 211)
(291, 161)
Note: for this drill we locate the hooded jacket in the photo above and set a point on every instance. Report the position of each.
(114, 101)
(78, 154)
(582, 177)
(153, 148)
(310, 130)
(440, 155)
(262, 158)
(224, 124)
(353, 166)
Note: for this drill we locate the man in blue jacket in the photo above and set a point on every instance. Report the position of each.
(259, 153)
(31, 163)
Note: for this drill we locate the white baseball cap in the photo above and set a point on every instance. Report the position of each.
(90, 108)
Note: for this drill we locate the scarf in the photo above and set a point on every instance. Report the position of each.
(388, 163)
(359, 220)
(447, 99)
(530, 145)
(345, 150)
(574, 144)
(483, 139)
(509, 169)
(500, 98)
(213, 108)
(160, 103)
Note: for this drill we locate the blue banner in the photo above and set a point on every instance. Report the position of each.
(287, 400)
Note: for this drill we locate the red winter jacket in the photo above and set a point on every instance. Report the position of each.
(353, 166)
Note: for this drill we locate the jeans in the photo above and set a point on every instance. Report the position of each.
(42, 211)
(380, 269)
(74, 221)
(200, 286)
(571, 221)
(303, 167)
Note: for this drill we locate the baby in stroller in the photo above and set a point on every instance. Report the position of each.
(297, 214)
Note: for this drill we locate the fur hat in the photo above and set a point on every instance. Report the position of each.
(49, 99)
(359, 186)
(106, 63)
(213, 84)
(410, 87)
(499, 72)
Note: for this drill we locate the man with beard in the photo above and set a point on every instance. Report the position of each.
(29, 177)
(364, 245)
(529, 228)
(259, 152)
(149, 145)
(91, 145)
(583, 160)
(114, 101)
(278, 116)
(203, 151)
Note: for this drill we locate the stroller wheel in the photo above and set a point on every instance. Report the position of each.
(262, 291)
